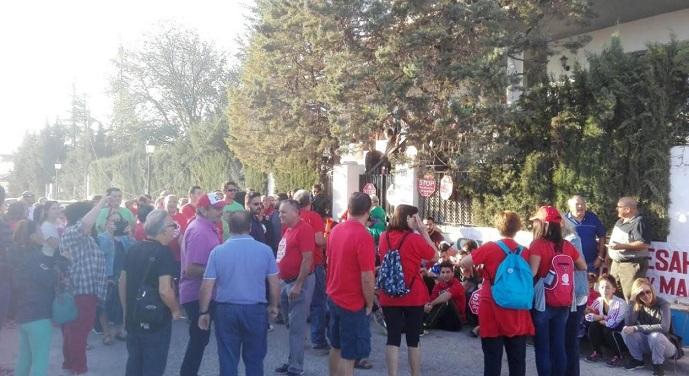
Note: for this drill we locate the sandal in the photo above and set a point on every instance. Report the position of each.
(363, 364)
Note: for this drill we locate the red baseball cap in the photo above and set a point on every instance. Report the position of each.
(547, 214)
(211, 199)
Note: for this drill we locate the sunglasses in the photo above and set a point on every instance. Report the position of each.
(645, 293)
(173, 225)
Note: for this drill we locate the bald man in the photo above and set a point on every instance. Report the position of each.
(628, 247)
(590, 230)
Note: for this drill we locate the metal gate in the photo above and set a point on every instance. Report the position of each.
(381, 182)
(454, 211)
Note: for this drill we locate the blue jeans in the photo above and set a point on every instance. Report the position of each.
(318, 308)
(572, 340)
(241, 329)
(198, 340)
(296, 312)
(350, 332)
(148, 351)
(549, 341)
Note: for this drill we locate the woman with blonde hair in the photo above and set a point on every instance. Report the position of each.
(647, 326)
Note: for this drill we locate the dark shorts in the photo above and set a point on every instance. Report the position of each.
(349, 332)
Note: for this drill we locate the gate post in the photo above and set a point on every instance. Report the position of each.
(345, 182)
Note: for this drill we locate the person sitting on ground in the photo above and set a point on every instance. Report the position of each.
(606, 318)
(446, 309)
(647, 326)
(448, 254)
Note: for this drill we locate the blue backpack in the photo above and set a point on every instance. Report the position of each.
(513, 285)
(390, 278)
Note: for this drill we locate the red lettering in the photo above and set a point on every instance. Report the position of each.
(682, 288)
(667, 287)
(675, 265)
(661, 259)
(685, 262)
(652, 279)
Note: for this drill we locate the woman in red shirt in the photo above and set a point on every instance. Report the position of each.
(407, 234)
(500, 327)
(549, 341)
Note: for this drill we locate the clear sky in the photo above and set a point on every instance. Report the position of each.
(47, 46)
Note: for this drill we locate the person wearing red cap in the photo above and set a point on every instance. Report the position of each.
(199, 240)
(553, 260)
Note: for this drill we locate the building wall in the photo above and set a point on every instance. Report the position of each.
(634, 36)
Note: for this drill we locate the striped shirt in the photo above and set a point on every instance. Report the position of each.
(87, 262)
(616, 311)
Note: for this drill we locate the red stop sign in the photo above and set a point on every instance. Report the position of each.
(369, 189)
(426, 185)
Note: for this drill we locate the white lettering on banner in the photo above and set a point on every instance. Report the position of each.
(668, 270)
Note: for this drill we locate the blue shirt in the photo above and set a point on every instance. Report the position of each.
(240, 267)
(589, 229)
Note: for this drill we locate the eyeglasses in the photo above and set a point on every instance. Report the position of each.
(173, 225)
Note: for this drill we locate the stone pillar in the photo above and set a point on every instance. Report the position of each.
(345, 182)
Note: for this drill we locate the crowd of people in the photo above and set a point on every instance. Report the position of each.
(239, 262)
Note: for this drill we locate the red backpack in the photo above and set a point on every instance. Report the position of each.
(559, 283)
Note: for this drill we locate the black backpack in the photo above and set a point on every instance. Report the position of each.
(149, 311)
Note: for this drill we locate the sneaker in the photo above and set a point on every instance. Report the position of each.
(594, 357)
(295, 373)
(282, 369)
(658, 370)
(615, 361)
(633, 363)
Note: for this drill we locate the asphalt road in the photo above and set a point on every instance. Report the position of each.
(443, 353)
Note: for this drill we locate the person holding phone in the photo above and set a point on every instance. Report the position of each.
(87, 276)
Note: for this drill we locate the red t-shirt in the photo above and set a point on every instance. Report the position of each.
(174, 245)
(316, 222)
(546, 249)
(494, 320)
(139, 233)
(455, 288)
(414, 249)
(188, 212)
(295, 241)
(351, 251)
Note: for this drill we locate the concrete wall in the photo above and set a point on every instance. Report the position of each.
(679, 196)
(634, 36)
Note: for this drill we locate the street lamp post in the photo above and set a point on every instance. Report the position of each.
(58, 167)
(150, 149)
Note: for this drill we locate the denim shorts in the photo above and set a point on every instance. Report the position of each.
(349, 332)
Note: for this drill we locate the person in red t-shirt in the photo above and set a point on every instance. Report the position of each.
(318, 310)
(295, 265)
(350, 287)
(408, 235)
(446, 309)
(141, 214)
(500, 327)
(549, 341)
(189, 210)
(171, 205)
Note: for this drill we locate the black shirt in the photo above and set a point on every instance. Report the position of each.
(35, 277)
(138, 258)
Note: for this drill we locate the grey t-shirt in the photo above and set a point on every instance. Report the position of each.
(627, 232)
(49, 230)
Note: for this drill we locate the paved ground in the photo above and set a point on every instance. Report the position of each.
(443, 352)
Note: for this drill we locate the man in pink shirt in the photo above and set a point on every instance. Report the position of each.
(199, 240)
